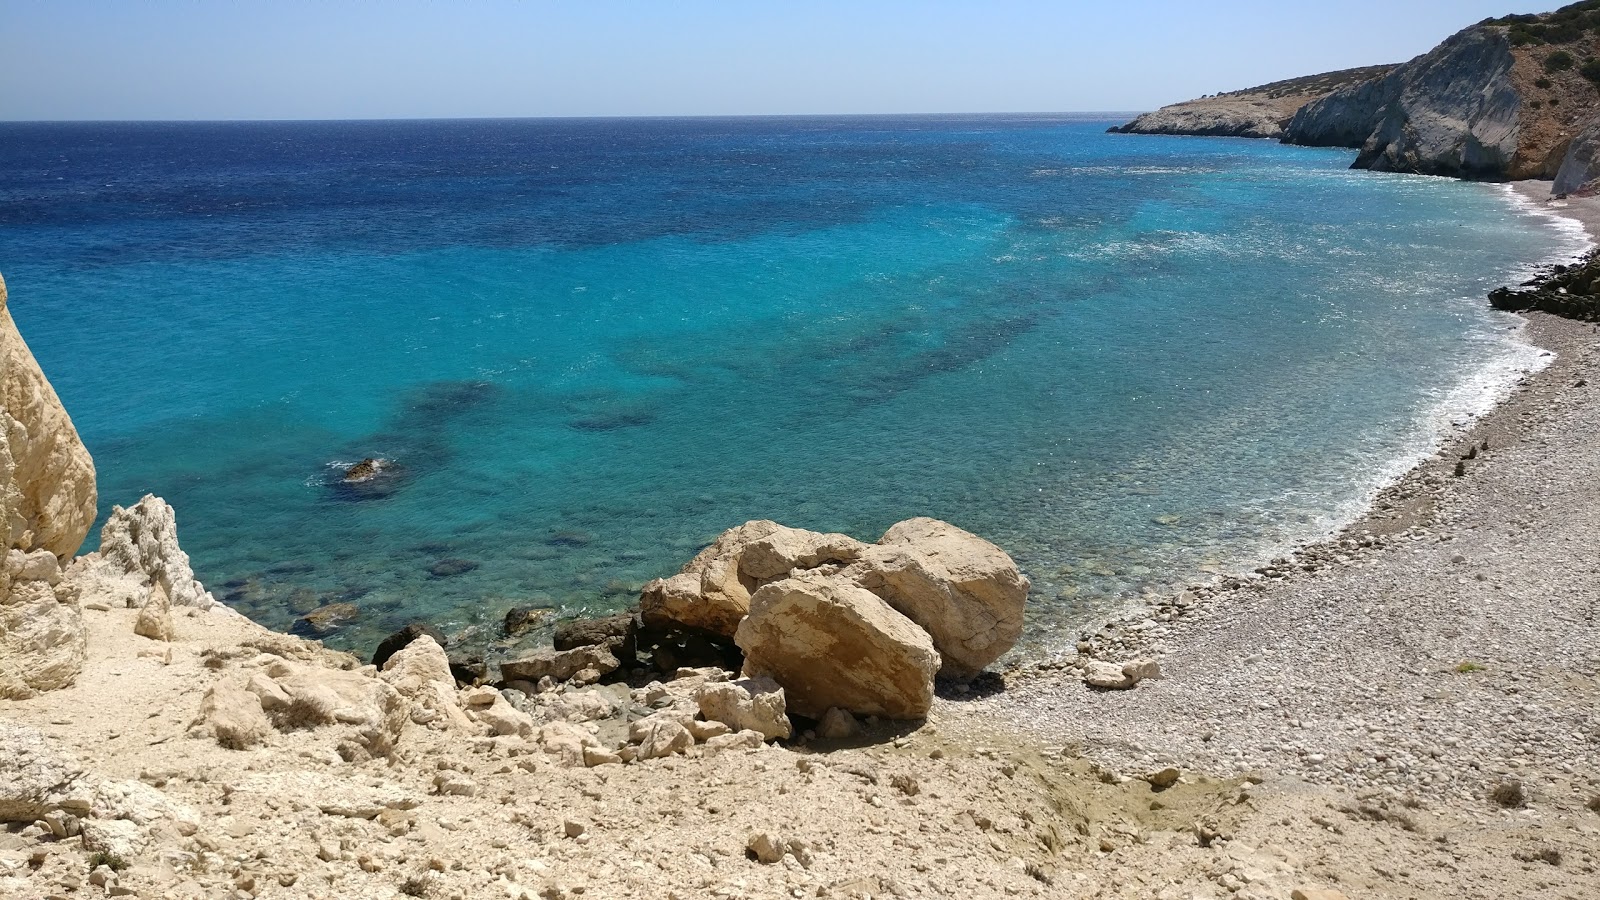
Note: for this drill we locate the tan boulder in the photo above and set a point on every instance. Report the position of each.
(47, 485)
(420, 671)
(832, 643)
(233, 716)
(712, 592)
(965, 592)
(155, 619)
(38, 778)
(560, 665)
(660, 735)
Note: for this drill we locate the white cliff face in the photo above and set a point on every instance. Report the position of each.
(1452, 111)
(138, 551)
(1580, 169)
(47, 503)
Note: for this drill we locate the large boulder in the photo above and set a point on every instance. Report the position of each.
(138, 548)
(712, 592)
(420, 671)
(38, 778)
(47, 486)
(831, 643)
(43, 645)
(965, 592)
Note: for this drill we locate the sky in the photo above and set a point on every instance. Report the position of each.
(340, 59)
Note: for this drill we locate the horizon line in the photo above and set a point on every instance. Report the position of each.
(246, 121)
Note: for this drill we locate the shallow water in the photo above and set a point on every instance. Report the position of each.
(591, 345)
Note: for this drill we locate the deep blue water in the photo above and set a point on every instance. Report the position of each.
(593, 344)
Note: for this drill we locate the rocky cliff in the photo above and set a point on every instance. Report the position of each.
(1258, 112)
(1503, 99)
(1455, 110)
(47, 503)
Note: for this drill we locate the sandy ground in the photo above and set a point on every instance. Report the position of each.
(1337, 722)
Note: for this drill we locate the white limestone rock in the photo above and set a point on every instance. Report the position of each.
(38, 778)
(139, 548)
(155, 619)
(420, 671)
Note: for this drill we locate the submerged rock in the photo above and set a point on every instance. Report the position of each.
(366, 470)
(325, 619)
(449, 568)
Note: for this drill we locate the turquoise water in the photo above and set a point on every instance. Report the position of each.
(592, 345)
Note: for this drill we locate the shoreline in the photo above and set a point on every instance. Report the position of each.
(1457, 413)
(1333, 727)
(1440, 646)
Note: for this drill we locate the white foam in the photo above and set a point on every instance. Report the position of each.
(1511, 360)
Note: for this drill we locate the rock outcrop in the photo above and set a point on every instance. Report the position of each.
(47, 486)
(139, 548)
(1452, 111)
(47, 504)
(1259, 112)
(1580, 168)
(831, 643)
(1572, 292)
(964, 591)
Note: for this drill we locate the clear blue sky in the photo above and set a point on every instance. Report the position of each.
(249, 59)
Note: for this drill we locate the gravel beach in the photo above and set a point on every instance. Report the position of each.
(1440, 648)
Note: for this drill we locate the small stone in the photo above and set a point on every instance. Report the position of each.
(574, 828)
(1163, 779)
(1316, 894)
(838, 725)
(765, 847)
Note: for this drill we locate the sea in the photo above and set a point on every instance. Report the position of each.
(588, 346)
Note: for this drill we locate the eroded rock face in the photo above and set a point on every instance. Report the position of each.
(1259, 112)
(832, 643)
(712, 593)
(1580, 168)
(47, 503)
(47, 485)
(965, 592)
(138, 548)
(1452, 111)
(42, 640)
(37, 778)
